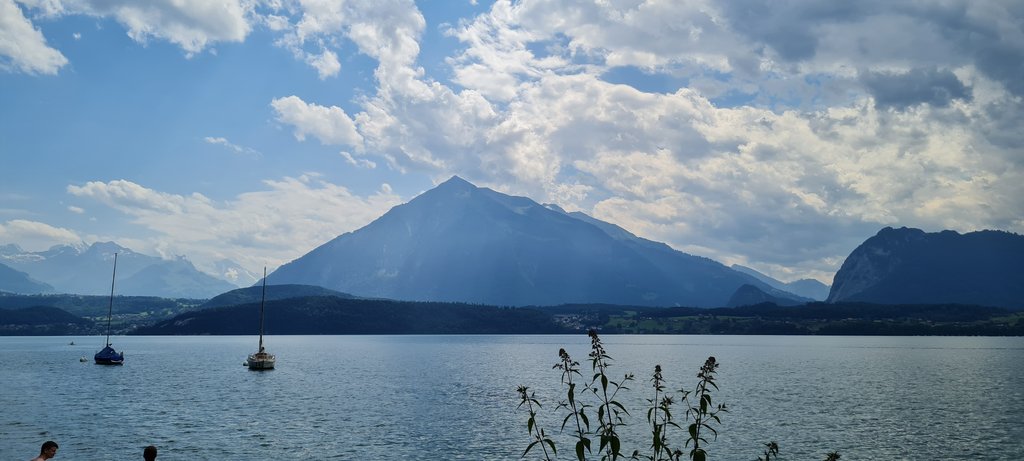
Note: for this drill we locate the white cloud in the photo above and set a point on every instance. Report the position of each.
(326, 64)
(359, 162)
(36, 236)
(190, 24)
(331, 125)
(22, 46)
(271, 226)
(221, 141)
(385, 30)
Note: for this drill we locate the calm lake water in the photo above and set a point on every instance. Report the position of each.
(453, 397)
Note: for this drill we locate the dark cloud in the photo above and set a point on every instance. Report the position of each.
(1004, 63)
(919, 86)
(983, 34)
(991, 37)
(788, 27)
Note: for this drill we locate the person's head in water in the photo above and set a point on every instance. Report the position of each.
(48, 450)
(149, 454)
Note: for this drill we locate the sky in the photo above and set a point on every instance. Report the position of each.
(774, 134)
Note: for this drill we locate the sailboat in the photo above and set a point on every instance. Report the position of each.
(261, 359)
(109, 356)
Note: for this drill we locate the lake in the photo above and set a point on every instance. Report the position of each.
(454, 397)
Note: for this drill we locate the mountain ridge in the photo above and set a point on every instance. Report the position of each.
(87, 270)
(911, 266)
(461, 243)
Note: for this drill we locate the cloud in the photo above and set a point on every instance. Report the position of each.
(288, 218)
(326, 64)
(191, 24)
(36, 236)
(331, 125)
(220, 141)
(359, 162)
(385, 30)
(901, 90)
(23, 47)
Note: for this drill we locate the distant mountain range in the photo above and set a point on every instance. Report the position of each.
(465, 244)
(807, 288)
(461, 243)
(87, 270)
(910, 266)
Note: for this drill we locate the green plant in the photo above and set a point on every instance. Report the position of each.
(538, 434)
(770, 449)
(659, 416)
(609, 411)
(577, 411)
(701, 412)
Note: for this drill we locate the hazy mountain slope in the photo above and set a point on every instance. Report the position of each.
(458, 242)
(749, 295)
(87, 271)
(910, 266)
(807, 288)
(172, 279)
(15, 281)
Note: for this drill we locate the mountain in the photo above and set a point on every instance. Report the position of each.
(234, 273)
(749, 295)
(274, 292)
(87, 271)
(13, 281)
(910, 266)
(41, 320)
(807, 288)
(461, 243)
(339, 316)
(176, 278)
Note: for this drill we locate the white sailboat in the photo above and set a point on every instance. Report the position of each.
(261, 359)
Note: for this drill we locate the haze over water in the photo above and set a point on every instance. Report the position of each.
(453, 397)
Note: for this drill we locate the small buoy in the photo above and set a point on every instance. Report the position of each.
(83, 359)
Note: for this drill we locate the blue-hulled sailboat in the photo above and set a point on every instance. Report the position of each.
(109, 356)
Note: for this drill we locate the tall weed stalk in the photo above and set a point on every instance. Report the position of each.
(609, 411)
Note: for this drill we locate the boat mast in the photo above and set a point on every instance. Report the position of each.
(110, 308)
(262, 299)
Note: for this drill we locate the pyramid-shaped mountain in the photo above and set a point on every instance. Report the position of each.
(461, 243)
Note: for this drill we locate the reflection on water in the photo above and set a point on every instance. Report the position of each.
(453, 397)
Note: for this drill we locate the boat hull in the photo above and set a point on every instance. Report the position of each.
(108, 356)
(261, 361)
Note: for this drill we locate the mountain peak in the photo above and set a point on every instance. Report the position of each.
(456, 182)
(463, 243)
